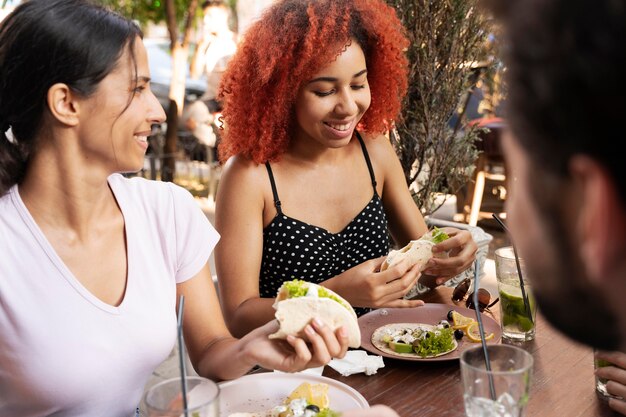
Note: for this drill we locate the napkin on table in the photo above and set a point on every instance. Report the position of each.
(357, 361)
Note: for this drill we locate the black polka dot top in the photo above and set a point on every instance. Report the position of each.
(295, 249)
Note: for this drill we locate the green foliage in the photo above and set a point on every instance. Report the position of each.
(446, 37)
(148, 10)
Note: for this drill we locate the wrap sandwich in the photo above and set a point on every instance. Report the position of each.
(298, 302)
(416, 251)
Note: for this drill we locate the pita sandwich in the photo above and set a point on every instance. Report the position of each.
(298, 302)
(416, 251)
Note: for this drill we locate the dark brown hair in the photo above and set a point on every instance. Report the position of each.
(44, 42)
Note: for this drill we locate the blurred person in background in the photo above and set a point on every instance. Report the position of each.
(248, 11)
(566, 207)
(216, 48)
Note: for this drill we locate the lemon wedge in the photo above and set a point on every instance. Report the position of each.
(459, 321)
(473, 333)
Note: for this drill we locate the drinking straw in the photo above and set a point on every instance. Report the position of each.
(181, 353)
(481, 330)
(519, 270)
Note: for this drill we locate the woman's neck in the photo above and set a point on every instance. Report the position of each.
(309, 151)
(61, 191)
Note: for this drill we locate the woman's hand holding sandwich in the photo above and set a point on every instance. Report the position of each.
(294, 354)
(461, 250)
(366, 286)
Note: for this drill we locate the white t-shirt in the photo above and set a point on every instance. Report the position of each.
(63, 351)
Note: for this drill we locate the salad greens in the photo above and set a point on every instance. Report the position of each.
(323, 292)
(296, 288)
(299, 288)
(439, 235)
(435, 344)
(421, 341)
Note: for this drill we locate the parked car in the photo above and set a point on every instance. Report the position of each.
(160, 62)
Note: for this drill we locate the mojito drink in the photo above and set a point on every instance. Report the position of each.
(516, 323)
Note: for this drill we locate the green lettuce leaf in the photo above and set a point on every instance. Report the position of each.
(299, 288)
(434, 345)
(438, 235)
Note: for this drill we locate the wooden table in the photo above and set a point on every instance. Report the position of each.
(562, 385)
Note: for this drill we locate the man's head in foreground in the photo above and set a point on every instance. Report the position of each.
(566, 62)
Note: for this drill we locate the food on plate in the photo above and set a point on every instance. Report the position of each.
(416, 251)
(306, 400)
(415, 339)
(298, 302)
(467, 325)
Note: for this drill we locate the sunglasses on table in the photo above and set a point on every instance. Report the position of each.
(484, 297)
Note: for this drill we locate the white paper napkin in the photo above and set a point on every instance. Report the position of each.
(357, 361)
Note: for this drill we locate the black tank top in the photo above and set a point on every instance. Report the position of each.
(295, 249)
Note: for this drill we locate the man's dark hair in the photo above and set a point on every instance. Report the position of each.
(566, 63)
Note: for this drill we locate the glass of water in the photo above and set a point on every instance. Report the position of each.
(502, 392)
(165, 398)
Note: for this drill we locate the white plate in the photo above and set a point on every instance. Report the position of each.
(260, 392)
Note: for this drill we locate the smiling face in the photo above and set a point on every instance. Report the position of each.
(330, 105)
(117, 120)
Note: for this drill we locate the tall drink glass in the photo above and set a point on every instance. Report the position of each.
(165, 398)
(516, 322)
(504, 390)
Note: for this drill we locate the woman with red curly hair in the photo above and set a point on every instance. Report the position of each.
(311, 185)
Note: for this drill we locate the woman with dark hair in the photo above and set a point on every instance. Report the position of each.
(92, 262)
(311, 185)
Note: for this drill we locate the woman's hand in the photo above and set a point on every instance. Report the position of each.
(462, 253)
(616, 376)
(364, 286)
(294, 354)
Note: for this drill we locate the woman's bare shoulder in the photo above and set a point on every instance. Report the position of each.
(242, 173)
(379, 147)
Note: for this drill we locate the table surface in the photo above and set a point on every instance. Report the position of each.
(562, 383)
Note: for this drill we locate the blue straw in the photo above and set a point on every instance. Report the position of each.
(481, 329)
(181, 353)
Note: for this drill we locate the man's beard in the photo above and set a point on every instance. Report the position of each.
(564, 293)
(578, 311)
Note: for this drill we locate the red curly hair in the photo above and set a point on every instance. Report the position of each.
(291, 42)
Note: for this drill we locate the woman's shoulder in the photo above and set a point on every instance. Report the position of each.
(243, 182)
(244, 171)
(378, 146)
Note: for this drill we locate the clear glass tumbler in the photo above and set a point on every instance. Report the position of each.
(504, 390)
(518, 322)
(165, 398)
